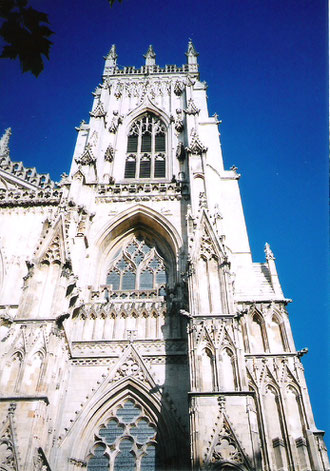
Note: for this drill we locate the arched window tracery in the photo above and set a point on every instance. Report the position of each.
(138, 266)
(146, 148)
(126, 442)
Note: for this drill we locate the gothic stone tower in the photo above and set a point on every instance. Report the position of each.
(136, 332)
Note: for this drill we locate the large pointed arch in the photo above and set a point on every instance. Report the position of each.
(138, 217)
(81, 437)
(146, 106)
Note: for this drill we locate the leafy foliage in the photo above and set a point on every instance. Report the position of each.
(26, 35)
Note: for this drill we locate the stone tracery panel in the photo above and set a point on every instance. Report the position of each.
(138, 266)
(127, 441)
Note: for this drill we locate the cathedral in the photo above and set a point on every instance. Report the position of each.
(137, 334)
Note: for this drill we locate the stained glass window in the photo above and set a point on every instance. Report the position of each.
(126, 442)
(137, 266)
(146, 147)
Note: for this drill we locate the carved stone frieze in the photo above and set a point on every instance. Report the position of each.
(115, 348)
(147, 88)
(143, 191)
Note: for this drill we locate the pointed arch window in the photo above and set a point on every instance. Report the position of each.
(257, 334)
(277, 335)
(138, 266)
(146, 148)
(126, 442)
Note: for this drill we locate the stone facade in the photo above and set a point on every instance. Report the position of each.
(136, 332)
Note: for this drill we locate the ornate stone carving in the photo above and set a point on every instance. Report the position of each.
(78, 463)
(178, 121)
(129, 368)
(196, 147)
(109, 153)
(180, 152)
(98, 111)
(225, 447)
(207, 249)
(202, 199)
(87, 157)
(178, 87)
(147, 88)
(53, 252)
(40, 461)
(115, 122)
(118, 90)
(268, 253)
(8, 454)
(192, 108)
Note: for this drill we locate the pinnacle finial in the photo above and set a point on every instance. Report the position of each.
(113, 53)
(4, 142)
(111, 58)
(150, 56)
(192, 55)
(269, 254)
(191, 49)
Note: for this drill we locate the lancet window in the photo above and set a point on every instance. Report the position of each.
(146, 148)
(126, 442)
(138, 266)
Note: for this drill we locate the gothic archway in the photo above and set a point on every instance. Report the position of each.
(126, 421)
(137, 219)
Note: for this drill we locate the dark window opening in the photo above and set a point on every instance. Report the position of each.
(146, 135)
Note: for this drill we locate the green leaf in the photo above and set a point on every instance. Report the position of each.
(26, 34)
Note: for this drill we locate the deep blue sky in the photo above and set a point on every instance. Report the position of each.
(265, 62)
